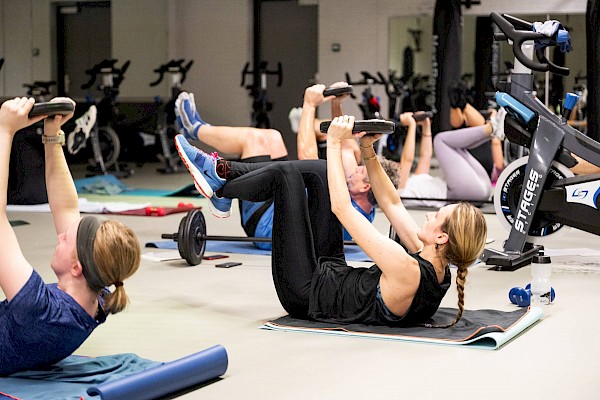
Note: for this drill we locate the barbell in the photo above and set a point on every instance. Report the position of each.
(191, 237)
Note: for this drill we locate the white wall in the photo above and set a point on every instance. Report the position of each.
(140, 34)
(217, 34)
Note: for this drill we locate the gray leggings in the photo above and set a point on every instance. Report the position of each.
(465, 176)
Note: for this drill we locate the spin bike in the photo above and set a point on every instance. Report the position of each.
(106, 145)
(165, 125)
(537, 196)
(261, 106)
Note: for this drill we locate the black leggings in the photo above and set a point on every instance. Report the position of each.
(304, 228)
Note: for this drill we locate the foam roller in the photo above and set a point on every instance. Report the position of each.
(166, 379)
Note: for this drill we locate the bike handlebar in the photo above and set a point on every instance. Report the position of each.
(173, 66)
(262, 69)
(519, 31)
(101, 67)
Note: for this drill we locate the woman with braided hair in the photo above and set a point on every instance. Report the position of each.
(41, 324)
(311, 198)
(413, 279)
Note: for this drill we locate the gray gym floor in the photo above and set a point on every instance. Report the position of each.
(177, 310)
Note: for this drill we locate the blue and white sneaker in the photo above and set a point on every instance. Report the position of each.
(220, 207)
(202, 166)
(188, 119)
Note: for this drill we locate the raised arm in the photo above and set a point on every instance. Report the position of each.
(14, 268)
(62, 194)
(408, 149)
(426, 148)
(382, 250)
(307, 140)
(388, 198)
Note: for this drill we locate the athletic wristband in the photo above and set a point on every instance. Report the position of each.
(370, 158)
(58, 139)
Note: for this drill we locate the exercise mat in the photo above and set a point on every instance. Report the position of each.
(352, 253)
(111, 185)
(71, 377)
(159, 211)
(486, 329)
(121, 376)
(168, 378)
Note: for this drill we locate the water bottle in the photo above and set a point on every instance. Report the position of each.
(541, 270)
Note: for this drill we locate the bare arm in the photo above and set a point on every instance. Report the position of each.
(307, 137)
(388, 198)
(307, 140)
(584, 167)
(382, 251)
(14, 268)
(408, 150)
(426, 149)
(62, 194)
(389, 256)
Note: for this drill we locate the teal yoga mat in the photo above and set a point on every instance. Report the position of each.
(116, 377)
(111, 185)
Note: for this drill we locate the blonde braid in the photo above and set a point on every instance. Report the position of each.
(467, 231)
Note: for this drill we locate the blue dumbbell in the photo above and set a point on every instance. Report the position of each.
(522, 297)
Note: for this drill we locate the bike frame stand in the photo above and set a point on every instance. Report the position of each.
(509, 261)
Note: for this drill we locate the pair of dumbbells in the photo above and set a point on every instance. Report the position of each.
(522, 297)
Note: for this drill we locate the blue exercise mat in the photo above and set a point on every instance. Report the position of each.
(352, 253)
(115, 377)
(168, 378)
(111, 185)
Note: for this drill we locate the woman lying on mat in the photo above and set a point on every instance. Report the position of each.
(464, 176)
(42, 324)
(310, 274)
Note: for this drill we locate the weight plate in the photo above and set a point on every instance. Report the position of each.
(506, 197)
(192, 233)
(367, 125)
(180, 237)
(337, 91)
(52, 108)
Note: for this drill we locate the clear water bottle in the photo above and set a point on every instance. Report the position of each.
(541, 270)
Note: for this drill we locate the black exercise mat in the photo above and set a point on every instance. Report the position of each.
(489, 329)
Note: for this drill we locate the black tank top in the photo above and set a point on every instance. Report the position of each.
(343, 294)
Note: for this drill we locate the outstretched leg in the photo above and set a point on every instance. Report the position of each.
(244, 142)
